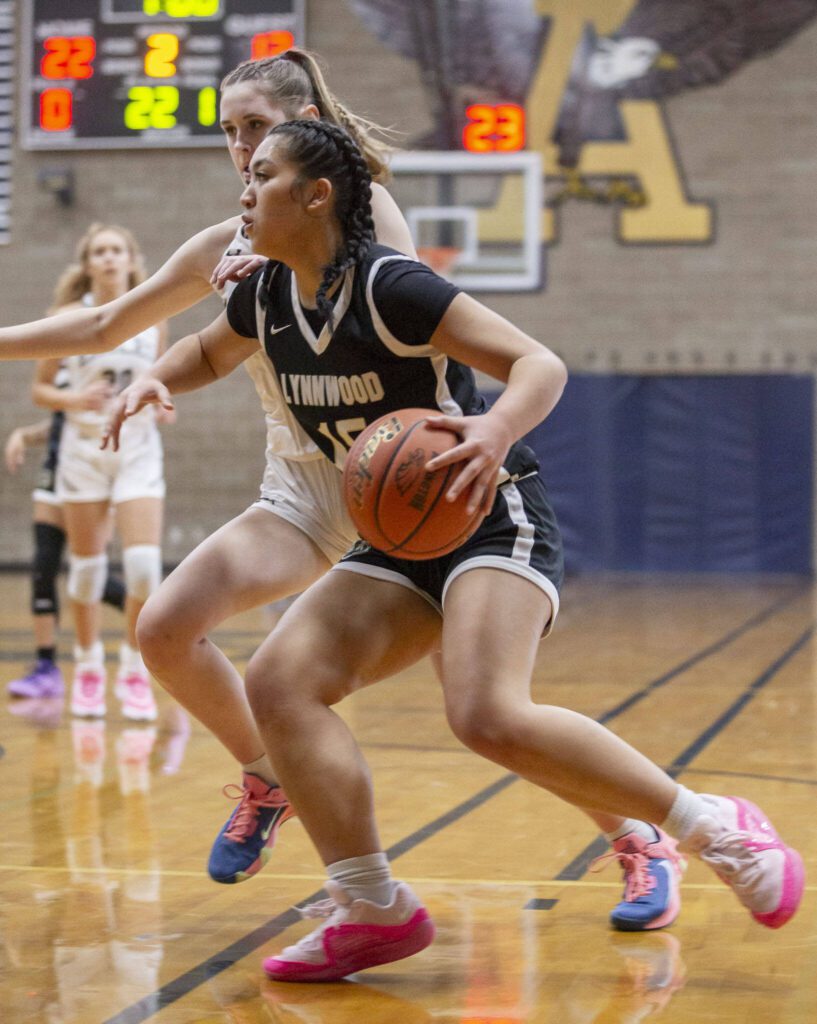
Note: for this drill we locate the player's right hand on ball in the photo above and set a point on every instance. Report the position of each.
(146, 391)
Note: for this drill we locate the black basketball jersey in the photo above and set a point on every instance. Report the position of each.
(374, 360)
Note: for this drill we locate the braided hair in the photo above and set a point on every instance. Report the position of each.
(320, 149)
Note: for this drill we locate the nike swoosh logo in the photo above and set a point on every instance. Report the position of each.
(277, 330)
(265, 832)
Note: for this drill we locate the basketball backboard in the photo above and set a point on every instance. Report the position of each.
(475, 218)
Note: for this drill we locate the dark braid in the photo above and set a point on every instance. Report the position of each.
(321, 149)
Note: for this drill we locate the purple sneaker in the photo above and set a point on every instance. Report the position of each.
(44, 679)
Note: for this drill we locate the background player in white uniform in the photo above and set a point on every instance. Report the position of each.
(90, 481)
(257, 557)
(486, 605)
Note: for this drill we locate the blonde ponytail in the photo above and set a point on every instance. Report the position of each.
(293, 80)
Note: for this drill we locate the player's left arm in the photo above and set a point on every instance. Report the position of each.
(534, 377)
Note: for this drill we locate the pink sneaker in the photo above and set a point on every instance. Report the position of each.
(356, 935)
(739, 843)
(136, 694)
(88, 691)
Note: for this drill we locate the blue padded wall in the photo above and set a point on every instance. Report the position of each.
(682, 473)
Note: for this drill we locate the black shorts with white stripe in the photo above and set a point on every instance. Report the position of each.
(520, 535)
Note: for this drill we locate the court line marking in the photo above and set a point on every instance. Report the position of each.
(493, 883)
(757, 776)
(238, 950)
(580, 864)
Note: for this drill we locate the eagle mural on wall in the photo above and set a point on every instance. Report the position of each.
(470, 48)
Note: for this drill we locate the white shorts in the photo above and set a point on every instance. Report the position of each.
(309, 495)
(45, 497)
(87, 473)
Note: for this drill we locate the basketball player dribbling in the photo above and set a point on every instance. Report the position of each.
(333, 305)
(299, 527)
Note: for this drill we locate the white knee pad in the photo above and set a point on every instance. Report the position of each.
(86, 577)
(143, 570)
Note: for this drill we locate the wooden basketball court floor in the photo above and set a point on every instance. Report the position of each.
(106, 914)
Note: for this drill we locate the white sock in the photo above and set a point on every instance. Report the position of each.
(365, 878)
(262, 767)
(685, 811)
(130, 658)
(630, 825)
(93, 655)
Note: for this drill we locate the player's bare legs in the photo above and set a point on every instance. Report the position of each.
(87, 525)
(256, 558)
(139, 522)
(487, 665)
(349, 630)
(312, 661)
(253, 560)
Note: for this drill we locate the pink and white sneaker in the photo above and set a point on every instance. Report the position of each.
(88, 691)
(739, 843)
(134, 690)
(356, 935)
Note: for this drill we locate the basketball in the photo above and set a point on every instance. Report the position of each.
(397, 505)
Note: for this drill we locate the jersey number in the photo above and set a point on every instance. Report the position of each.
(346, 431)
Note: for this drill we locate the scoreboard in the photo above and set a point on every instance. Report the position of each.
(102, 74)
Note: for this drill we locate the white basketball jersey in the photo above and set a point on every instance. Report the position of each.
(285, 437)
(119, 368)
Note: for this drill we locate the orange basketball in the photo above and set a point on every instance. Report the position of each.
(397, 505)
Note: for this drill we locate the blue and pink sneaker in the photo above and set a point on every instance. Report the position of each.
(245, 843)
(44, 679)
(356, 935)
(652, 873)
(739, 843)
